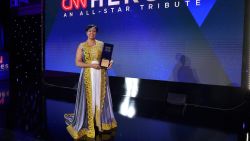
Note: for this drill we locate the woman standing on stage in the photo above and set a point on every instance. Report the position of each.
(93, 107)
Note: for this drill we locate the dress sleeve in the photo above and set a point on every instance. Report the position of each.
(81, 48)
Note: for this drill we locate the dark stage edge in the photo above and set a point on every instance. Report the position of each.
(158, 101)
(156, 113)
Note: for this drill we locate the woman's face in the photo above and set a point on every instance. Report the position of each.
(91, 33)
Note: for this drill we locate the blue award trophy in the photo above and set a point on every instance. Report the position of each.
(106, 55)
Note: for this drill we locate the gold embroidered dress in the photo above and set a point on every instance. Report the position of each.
(93, 101)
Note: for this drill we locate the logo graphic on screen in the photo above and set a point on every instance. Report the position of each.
(3, 66)
(68, 5)
(149, 33)
(205, 8)
(81, 7)
(1, 59)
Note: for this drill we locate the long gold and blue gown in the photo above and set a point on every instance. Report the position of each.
(93, 105)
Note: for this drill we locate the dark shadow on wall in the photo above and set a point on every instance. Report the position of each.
(183, 72)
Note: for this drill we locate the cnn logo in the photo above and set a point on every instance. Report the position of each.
(68, 5)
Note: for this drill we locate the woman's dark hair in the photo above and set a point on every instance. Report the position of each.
(90, 26)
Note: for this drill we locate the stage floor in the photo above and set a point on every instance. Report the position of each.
(141, 110)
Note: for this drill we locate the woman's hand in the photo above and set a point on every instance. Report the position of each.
(95, 66)
(110, 64)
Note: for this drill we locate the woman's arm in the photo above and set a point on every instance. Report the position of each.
(110, 64)
(80, 63)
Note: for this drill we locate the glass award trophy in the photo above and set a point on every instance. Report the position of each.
(106, 55)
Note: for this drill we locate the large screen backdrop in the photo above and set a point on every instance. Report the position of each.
(197, 41)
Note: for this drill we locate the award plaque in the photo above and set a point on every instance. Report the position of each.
(106, 55)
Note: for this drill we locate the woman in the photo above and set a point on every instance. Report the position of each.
(93, 106)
